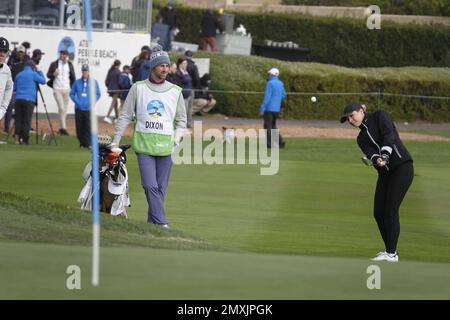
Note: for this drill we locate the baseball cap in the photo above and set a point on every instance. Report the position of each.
(274, 72)
(38, 52)
(21, 49)
(4, 44)
(348, 110)
(85, 67)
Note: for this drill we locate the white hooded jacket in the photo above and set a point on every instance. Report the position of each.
(6, 89)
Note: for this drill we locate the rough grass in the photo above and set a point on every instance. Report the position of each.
(34, 220)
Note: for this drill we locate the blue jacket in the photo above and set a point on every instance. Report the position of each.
(80, 94)
(25, 84)
(144, 71)
(273, 96)
(124, 84)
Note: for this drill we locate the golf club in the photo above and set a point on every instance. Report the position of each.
(366, 161)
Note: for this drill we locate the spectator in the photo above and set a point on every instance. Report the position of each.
(112, 84)
(62, 76)
(26, 91)
(209, 26)
(37, 56)
(17, 64)
(124, 84)
(192, 69)
(168, 15)
(6, 83)
(184, 80)
(144, 70)
(171, 76)
(138, 60)
(270, 108)
(19, 54)
(80, 95)
(204, 100)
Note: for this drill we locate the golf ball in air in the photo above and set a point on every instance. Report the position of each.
(313, 99)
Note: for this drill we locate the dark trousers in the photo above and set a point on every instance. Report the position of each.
(23, 116)
(9, 112)
(270, 122)
(83, 127)
(389, 194)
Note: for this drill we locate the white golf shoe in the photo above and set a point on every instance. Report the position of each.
(384, 256)
(379, 254)
(108, 120)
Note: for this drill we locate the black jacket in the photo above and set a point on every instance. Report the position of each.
(112, 79)
(168, 16)
(192, 69)
(51, 71)
(209, 25)
(379, 137)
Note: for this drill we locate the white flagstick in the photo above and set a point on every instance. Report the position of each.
(95, 164)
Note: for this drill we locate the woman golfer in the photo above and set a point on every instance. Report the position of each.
(379, 140)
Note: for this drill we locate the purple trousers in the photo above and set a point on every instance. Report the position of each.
(155, 173)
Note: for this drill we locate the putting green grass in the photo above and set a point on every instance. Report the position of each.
(256, 234)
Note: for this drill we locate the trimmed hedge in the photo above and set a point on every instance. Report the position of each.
(248, 74)
(345, 42)
(405, 7)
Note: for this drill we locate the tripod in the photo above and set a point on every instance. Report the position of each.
(52, 135)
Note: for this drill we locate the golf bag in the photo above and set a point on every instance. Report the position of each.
(114, 192)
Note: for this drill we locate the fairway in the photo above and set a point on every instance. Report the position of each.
(305, 233)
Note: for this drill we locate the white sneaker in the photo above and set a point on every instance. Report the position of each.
(164, 226)
(384, 256)
(108, 120)
(378, 255)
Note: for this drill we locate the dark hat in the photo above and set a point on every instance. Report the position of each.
(37, 52)
(85, 67)
(4, 44)
(65, 51)
(354, 106)
(189, 53)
